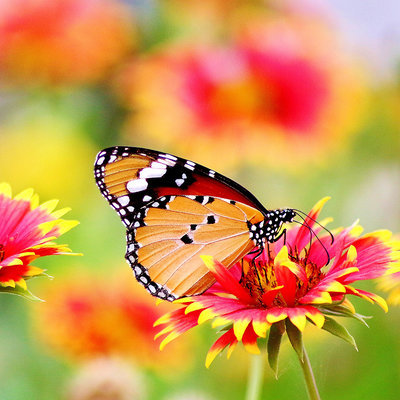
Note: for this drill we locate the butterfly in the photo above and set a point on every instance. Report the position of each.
(174, 211)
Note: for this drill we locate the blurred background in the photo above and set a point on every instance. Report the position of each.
(294, 99)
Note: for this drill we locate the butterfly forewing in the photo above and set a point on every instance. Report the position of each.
(175, 211)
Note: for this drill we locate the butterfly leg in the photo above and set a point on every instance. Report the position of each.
(268, 251)
(283, 233)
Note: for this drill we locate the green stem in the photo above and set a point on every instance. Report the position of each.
(309, 377)
(256, 373)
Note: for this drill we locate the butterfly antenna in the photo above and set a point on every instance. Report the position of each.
(298, 212)
(304, 223)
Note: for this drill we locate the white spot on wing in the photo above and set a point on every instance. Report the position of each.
(156, 164)
(131, 247)
(170, 156)
(123, 200)
(152, 289)
(166, 162)
(151, 172)
(190, 165)
(136, 185)
(179, 182)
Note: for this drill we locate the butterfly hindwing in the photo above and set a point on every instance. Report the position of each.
(164, 249)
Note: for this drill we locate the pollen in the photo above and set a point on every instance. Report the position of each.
(258, 278)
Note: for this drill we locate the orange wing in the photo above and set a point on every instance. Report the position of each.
(165, 251)
(176, 210)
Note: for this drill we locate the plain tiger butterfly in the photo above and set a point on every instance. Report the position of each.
(174, 211)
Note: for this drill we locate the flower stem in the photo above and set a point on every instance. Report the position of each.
(256, 373)
(309, 377)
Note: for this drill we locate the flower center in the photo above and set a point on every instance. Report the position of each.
(258, 278)
(275, 285)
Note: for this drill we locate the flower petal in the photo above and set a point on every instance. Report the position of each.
(282, 259)
(298, 317)
(249, 340)
(226, 279)
(227, 338)
(315, 316)
(276, 314)
(303, 235)
(239, 327)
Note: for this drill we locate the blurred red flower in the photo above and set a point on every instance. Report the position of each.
(63, 41)
(272, 91)
(87, 316)
(288, 282)
(27, 231)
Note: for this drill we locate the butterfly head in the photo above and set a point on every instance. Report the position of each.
(286, 215)
(270, 229)
(276, 219)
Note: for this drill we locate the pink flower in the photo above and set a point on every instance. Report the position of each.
(291, 281)
(27, 231)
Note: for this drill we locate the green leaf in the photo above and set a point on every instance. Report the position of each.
(20, 292)
(274, 343)
(338, 330)
(39, 276)
(225, 328)
(295, 338)
(341, 311)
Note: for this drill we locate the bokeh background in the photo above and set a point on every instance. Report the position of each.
(295, 99)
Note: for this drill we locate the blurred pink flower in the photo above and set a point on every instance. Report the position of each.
(63, 41)
(274, 91)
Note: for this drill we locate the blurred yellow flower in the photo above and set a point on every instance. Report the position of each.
(391, 282)
(63, 41)
(50, 152)
(272, 93)
(86, 316)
